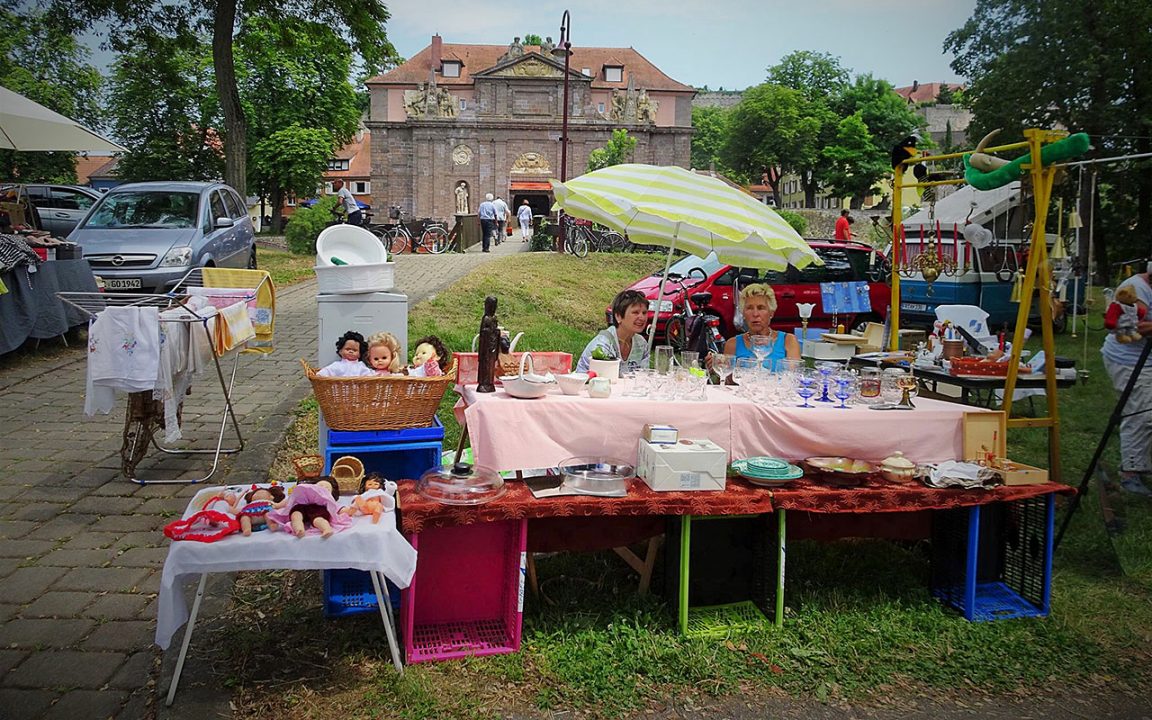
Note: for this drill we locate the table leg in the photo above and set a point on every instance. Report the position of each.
(187, 640)
(385, 604)
(531, 569)
(685, 562)
(780, 554)
(642, 567)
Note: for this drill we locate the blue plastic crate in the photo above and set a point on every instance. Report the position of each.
(395, 461)
(341, 438)
(350, 592)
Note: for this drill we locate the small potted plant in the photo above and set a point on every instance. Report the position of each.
(605, 364)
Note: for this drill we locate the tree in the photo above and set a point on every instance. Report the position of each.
(618, 150)
(43, 62)
(533, 39)
(852, 164)
(360, 22)
(887, 119)
(163, 108)
(817, 75)
(1083, 66)
(711, 129)
(292, 160)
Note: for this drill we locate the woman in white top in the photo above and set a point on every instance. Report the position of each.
(624, 340)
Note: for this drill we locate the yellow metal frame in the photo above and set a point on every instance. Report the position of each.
(1037, 276)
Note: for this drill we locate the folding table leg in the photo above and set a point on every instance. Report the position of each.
(780, 553)
(385, 604)
(187, 640)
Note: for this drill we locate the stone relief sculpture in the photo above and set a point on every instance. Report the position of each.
(462, 198)
(632, 106)
(461, 155)
(646, 108)
(531, 163)
(431, 102)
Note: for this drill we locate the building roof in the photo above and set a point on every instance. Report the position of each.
(359, 158)
(924, 92)
(481, 57)
(86, 165)
(107, 169)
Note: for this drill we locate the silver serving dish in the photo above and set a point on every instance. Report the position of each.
(597, 476)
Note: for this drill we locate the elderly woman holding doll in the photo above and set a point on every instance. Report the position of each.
(623, 340)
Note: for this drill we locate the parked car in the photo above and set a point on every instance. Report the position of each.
(61, 207)
(842, 262)
(145, 237)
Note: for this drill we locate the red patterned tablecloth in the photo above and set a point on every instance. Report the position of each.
(418, 513)
(809, 496)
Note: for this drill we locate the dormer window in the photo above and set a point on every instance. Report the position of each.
(613, 73)
(587, 72)
(451, 68)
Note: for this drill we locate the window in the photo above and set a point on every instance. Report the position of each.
(614, 73)
(218, 209)
(337, 164)
(463, 104)
(327, 188)
(837, 267)
(290, 201)
(997, 257)
(361, 187)
(144, 209)
(600, 107)
(587, 72)
(235, 207)
(451, 68)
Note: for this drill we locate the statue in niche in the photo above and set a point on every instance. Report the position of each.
(547, 46)
(462, 198)
(488, 349)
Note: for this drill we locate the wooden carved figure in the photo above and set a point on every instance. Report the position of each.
(488, 348)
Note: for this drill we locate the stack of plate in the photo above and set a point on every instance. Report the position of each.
(767, 471)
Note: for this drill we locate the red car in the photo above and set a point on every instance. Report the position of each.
(842, 262)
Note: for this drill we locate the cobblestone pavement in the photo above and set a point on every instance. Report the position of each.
(80, 547)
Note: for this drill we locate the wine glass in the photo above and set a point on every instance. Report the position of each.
(844, 380)
(742, 374)
(761, 347)
(825, 369)
(806, 385)
(722, 367)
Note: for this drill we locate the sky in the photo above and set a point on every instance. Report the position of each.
(719, 43)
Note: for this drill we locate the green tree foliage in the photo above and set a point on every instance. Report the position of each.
(887, 118)
(817, 75)
(1083, 66)
(291, 160)
(618, 150)
(711, 126)
(43, 62)
(307, 224)
(533, 39)
(360, 22)
(798, 222)
(852, 163)
(162, 102)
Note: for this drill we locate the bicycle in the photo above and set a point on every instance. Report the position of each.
(595, 238)
(574, 240)
(397, 238)
(692, 328)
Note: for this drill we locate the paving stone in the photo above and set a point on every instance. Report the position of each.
(152, 538)
(37, 511)
(57, 604)
(151, 584)
(62, 527)
(103, 579)
(93, 477)
(118, 606)
(106, 505)
(172, 507)
(115, 488)
(28, 583)
(36, 633)
(78, 558)
(10, 659)
(9, 565)
(66, 669)
(10, 490)
(129, 523)
(142, 557)
(91, 541)
(7, 612)
(136, 672)
(25, 704)
(95, 704)
(16, 528)
(127, 635)
(52, 494)
(26, 548)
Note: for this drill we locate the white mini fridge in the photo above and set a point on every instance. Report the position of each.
(366, 313)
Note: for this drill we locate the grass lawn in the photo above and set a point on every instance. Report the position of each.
(284, 267)
(860, 623)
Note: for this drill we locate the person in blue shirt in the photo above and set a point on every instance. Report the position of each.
(758, 304)
(487, 213)
(1136, 427)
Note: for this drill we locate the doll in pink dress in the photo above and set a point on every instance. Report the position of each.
(383, 356)
(311, 508)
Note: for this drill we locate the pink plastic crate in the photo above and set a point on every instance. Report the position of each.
(553, 362)
(467, 595)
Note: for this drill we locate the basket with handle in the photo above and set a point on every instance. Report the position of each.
(308, 466)
(380, 402)
(348, 471)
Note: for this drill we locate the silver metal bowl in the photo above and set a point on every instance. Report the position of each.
(597, 475)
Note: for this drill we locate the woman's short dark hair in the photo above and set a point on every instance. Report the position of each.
(355, 336)
(624, 300)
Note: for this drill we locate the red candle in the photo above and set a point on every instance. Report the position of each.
(939, 242)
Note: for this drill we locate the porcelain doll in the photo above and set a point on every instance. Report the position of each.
(311, 509)
(257, 503)
(351, 349)
(430, 358)
(375, 498)
(383, 356)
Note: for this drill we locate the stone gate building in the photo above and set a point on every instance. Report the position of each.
(489, 117)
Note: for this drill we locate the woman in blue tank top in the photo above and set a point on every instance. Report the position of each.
(758, 303)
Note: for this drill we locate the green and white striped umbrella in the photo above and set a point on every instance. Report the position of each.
(675, 208)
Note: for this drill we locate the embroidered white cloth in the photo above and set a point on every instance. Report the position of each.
(364, 546)
(123, 354)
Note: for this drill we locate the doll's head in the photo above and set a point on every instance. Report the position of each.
(275, 493)
(351, 346)
(1125, 295)
(324, 481)
(384, 352)
(430, 347)
(372, 481)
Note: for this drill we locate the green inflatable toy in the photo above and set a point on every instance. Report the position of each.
(1066, 149)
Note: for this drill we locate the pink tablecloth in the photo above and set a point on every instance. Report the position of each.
(512, 434)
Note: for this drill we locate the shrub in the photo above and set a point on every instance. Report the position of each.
(797, 221)
(542, 240)
(307, 224)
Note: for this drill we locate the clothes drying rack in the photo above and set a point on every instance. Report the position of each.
(141, 419)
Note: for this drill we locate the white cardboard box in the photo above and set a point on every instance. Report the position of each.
(686, 465)
(349, 279)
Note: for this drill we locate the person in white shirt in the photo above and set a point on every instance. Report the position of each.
(348, 202)
(524, 214)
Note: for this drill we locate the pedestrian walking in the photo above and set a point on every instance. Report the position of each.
(524, 214)
(487, 213)
(501, 219)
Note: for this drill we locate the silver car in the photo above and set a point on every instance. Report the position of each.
(61, 207)
(144, 237)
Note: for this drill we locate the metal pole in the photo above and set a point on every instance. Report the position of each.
(566, 41)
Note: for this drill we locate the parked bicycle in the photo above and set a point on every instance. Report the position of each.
(693, 328)
(594, 237)
(398, 238)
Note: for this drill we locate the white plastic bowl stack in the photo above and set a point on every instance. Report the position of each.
(366, 267)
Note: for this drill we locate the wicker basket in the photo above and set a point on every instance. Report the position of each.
(308, 466)
(381, 402)
(348, 471)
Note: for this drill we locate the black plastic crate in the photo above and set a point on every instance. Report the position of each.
(994, 562)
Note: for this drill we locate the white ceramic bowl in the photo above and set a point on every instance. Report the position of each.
(518, 387)
(572, 383)
(353, 245)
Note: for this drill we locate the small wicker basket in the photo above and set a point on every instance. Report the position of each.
(348, 471)
(381, 402)
(308, 466)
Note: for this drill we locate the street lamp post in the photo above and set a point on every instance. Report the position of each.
(564, 46)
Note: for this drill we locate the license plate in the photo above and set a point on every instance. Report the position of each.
(122, 283)
(665, 305)
(914, 307)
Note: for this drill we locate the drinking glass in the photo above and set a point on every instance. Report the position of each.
(722, 367)
(870, 385)
(637, 384)
(662, 359)
(660, 387)
(890, 391)
(908, 387)
(689, 359)
(761, 346)
(695, 386)
(807, 380)
(826, 369)
(845, 380)
(742, 374)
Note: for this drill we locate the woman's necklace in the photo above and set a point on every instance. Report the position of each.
(625, 348)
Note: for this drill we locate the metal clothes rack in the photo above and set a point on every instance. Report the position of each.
(140, 421)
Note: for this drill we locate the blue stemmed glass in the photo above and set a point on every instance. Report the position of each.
(826, 369)
(844, 382)
(806, 386)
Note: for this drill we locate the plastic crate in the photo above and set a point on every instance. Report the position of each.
(994, 562)
(721, 572)
(467, 595)
(350, 592)
(372, 438)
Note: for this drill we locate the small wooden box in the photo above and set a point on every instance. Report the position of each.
(1020, 474)
(985, 432)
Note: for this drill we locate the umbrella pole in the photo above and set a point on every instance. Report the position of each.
(660, 293)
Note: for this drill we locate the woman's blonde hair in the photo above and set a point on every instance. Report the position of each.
(759, 290)
(388, 340)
